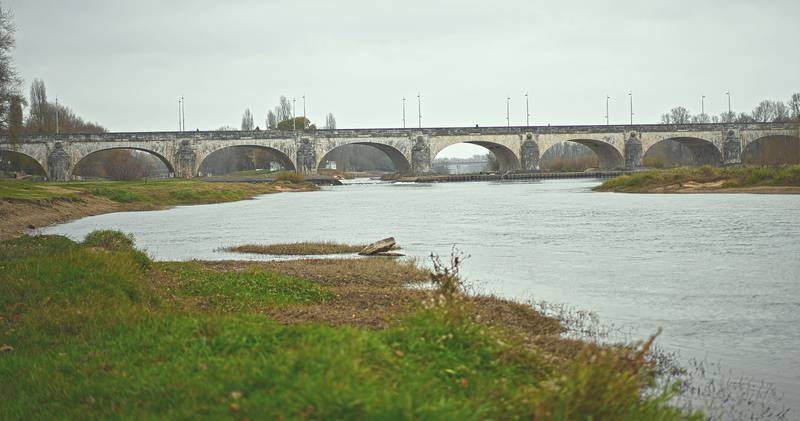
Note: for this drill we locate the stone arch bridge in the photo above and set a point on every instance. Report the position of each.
(411, 150)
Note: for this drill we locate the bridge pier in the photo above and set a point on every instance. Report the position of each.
(185, 165)
(58, 163)
(633, 152)
(420, 157)
(529, 154)
(306, 157)
(732, 149)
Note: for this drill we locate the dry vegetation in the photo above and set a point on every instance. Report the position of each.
(100, 331)
(297, 249)
(780, 179)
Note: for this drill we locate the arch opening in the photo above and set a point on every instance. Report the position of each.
(772, 150)
(245, 160)
(122, 164)
(15, 164)
(608, 157)
(569, 157)
(474, 157)
(364, 157)
(682, 151)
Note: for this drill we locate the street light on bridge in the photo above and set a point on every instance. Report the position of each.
(729, 104)
(419, 109)
(607, 98)
(404, 112)
(527, 111)
(508, 111)
(630, 94)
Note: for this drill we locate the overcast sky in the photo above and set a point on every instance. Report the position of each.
(124, 64)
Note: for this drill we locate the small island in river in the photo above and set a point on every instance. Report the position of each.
(707, 179)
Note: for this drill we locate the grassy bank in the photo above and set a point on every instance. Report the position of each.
(297, 249)
(752, 179)
(158, 193)
(97, 330)
(27, 203)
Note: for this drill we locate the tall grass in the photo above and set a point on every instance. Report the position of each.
(786, 175)
(297, 249)
(89, 332)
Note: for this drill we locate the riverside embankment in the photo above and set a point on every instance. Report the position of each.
(96, 328)
(717, 272)
(25, 205)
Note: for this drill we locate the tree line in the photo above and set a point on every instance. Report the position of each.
(282, 117)
(44, 117)
(767, 111)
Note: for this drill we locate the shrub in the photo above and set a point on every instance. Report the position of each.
(290, 177)
(117, 195)
(117, 242)
(186, 194)
(109, 240)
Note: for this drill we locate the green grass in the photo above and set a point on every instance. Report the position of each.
(95, 334)
(750, 176)
(148, 193)
(298, 249)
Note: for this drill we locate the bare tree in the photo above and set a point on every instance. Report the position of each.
(744, 118)
(38, 119)
(794, 106)
(727, 117)
(782, 113)
(677, 115)
(330, 121)
(272, 120)
(9, 80)
(701, 118)
(284, 109)
(765, 111)
(247, 120)
(15, 119)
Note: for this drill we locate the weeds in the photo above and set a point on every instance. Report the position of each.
(297, 249)
(676, 178)
(289, 177)
(88, 333)
(445, 276)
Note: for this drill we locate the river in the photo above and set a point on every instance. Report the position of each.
(720, 273)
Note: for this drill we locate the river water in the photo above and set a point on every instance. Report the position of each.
(720, 273)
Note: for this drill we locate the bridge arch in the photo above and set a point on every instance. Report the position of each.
(703, 151)
(772, 150)
(607, 155)
(507, 160)
(162, 158)
(284, 160)
(27, 159)
(399, 160)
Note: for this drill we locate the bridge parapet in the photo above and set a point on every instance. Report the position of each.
(411, 149)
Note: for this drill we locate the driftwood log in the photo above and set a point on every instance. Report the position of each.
(378, 247)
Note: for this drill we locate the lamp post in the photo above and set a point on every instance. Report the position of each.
(183, 113)
(729, 104)
(607, 98)
(508, 111)
(703, 105)
(630, 94)
(180, 125)
(419, 109)
(294, 115)
(527, 111)
(404, 112)
(304, 112)
(56, 115)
